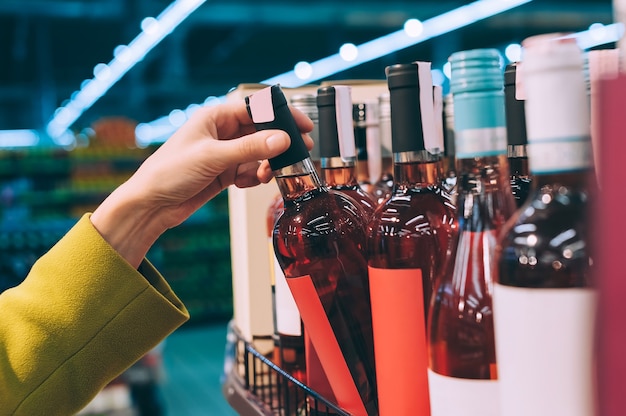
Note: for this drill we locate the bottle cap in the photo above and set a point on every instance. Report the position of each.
(514, 106)
(475, 70)
(448, 132)
(557, 107)
(307, 103)
(336, 128)
(412, 108)
(268, 110)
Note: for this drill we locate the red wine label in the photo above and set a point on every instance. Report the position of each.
(315, 376)
(326, 345)
(399, 327)
(544, 345)
(460, 396)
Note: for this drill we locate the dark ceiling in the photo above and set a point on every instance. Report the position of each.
(48, 47)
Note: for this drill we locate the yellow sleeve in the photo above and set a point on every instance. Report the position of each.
(81, 317)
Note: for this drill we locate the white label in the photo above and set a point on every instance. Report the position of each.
(288, 320)
(480, 142)
(431, 141)
(544, 347)
(559, 156)
(345, 125)
(451, 396)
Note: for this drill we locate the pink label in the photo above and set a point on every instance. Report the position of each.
(260, 104)
(399, 327)
(323, 338)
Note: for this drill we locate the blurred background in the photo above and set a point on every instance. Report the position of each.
(75, 94)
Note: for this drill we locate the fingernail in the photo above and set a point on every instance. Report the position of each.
(275, 142)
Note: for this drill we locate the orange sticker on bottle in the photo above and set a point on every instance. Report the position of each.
(323, 338)
(400, 348)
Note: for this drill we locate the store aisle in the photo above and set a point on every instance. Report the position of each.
(193, 359)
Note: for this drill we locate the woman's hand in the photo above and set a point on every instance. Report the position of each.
(216, 148)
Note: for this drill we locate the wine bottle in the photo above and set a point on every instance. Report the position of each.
(368, 148)
(449, 158)
(319, 242)
(516, 134)
(462, 359)
(338, 146)
(544, 296)
(408, 239)
(288, 332)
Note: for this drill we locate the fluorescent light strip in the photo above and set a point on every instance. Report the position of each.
(18, 138)
(444, 23)
(108, 75)
(598, 34)
(436, 26)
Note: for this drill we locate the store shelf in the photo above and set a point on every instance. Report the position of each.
(255, 386)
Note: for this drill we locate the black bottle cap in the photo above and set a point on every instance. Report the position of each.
(410, 115)
(327, 119)
(268, 110)
(336, 128)
(514, 107)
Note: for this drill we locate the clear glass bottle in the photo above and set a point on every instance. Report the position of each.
(544, 296)
(320, 242)
(338, 146)
(521, 181)
(408, 239)
(462, 359)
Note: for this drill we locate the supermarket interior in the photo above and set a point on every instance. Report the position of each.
(91, 88)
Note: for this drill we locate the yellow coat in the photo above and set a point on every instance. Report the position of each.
(82, 316)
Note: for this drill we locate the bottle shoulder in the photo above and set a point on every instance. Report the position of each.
(547, 244)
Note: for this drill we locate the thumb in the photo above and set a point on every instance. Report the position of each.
(257, 146)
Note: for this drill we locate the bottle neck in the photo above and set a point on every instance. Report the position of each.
(297, 179)
(485, 200)
(518, 161)
(363, 171)
(338, 172)
(418, 169)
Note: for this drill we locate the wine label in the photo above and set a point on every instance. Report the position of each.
(459, 396)
(544, 345)
(399, 327)
(288, 320)
(564, 155)
(326, 345)
(480, 142)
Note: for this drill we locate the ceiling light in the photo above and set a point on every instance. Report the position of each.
(513, 52)
(305, 72)
(153, 31)
(348, 52)
(413, 28)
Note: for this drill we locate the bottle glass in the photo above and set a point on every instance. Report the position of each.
(520, 178)
(408, 239)
(462, 359)
(319, 242)
(544, 296)
(338, 146)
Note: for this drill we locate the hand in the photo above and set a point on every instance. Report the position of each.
(216, 148)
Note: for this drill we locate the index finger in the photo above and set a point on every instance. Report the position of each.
(232, 120)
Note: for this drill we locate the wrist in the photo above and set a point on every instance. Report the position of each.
(127, 224)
